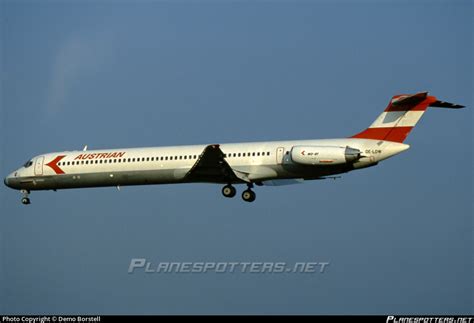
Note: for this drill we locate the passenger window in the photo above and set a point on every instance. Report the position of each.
(238, 154)
(268, 153)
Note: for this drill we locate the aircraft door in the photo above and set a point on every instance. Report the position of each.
(39, 166)
(279, 155)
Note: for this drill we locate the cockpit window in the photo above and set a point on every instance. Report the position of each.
(28, 164)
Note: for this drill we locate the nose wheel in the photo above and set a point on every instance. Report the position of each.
(25, 199)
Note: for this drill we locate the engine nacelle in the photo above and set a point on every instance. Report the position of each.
(324, 155)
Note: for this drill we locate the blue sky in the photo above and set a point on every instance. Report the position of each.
(124, 74)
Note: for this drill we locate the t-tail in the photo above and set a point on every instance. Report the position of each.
(401, 115)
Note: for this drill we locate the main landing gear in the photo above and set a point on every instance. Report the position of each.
(229, 191)
(25, 199)
(248, 195)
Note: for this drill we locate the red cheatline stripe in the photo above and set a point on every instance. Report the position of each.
(397, 134)
(54, 165)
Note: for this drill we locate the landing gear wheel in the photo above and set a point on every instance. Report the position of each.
(25, 199)
(248, 195)
(228, 191)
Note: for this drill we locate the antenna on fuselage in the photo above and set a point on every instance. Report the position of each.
(85, 148)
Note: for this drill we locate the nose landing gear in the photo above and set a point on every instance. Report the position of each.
(25, 199)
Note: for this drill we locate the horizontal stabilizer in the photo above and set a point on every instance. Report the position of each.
(443, 104)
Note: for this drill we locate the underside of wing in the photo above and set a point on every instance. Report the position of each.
(212, 167)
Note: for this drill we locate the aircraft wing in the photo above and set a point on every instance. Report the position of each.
(211, 166)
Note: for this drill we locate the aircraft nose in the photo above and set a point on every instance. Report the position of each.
(8, 180)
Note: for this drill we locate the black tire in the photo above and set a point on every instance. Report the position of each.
(229, 191)
(248, 195)
(25, 200)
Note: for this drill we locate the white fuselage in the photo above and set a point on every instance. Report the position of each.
(253, 163)
(260, 162)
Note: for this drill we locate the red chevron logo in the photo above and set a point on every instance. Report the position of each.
(54, 164)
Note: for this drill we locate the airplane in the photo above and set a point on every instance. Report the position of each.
(271, 163)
